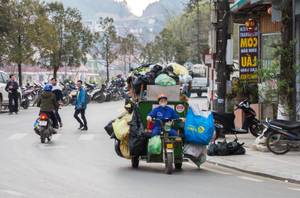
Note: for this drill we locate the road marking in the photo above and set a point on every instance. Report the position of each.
(17, 136)
(12, 192)
(209, 169)
(250, 179)
(55, 137)
(219, 172)
(294, 189)
(86, 137)
(50, 147)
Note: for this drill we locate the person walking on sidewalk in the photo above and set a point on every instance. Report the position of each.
(80, 106)
(13, 95)
(59, 97)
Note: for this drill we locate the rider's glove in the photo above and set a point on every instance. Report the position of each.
(149, 118)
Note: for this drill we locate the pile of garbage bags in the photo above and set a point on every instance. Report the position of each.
(226, 148)
(149, 74)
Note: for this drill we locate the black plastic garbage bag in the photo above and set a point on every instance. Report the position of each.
(137, 136)
(224, 148)
(109, 128)
(117, 148)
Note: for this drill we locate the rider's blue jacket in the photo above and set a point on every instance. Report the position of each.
(163, 113)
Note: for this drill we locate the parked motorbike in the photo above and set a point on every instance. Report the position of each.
(44, 127)
(99, 94)
(69, 92)
(224, 122)
(25, 102)
(282, 136)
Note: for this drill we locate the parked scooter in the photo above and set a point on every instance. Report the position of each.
(224, 122)
(282, 136)
(99, 95)
(25, 102)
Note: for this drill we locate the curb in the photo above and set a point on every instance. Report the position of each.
(289, 180)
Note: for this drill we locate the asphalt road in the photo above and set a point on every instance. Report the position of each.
(83, 165)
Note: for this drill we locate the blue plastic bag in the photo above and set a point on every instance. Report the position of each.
(198, 129)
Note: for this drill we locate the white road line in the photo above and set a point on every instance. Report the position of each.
(209, 169)
(250, 179)
(86, 137)
(50, 147)
(17, 136)
(55, 137)
(294, 189)
(217, 171)
(11, 192)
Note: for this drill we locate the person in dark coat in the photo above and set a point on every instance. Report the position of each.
(13, 94)
(56, 89)
(47, 103)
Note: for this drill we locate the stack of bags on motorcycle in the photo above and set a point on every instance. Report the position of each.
(128, 132)
(131, 139)
(149, 74)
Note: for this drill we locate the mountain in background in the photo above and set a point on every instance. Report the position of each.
(145, 27)
(90, 8)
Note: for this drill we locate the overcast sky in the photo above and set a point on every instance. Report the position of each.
(137, 6)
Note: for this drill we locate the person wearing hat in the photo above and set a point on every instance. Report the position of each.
(47, 103)
(163, 113)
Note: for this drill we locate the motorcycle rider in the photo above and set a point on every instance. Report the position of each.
(163, 113)
(12, 89)
(48, 104)
(80, 106)
(56, 89)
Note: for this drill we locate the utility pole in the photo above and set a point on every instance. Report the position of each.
(223, 14)
(198, 33)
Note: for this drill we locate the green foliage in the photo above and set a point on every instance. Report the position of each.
(164, 49)
(34, 32)
(128, 48)
(106, 40)
(19, 40)
(185, 37)
(71, 40)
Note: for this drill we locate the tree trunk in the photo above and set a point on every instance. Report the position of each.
(20, 73)
(287, 91)
(107, 72)
(55, 69)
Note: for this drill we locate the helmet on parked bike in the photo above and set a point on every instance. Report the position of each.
(162, 96)
(48, 88)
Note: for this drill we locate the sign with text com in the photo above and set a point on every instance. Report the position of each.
(248, 42)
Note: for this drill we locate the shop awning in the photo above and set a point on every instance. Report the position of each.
(239, 4)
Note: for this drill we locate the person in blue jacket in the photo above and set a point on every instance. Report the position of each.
(163, 113)
(80, 106)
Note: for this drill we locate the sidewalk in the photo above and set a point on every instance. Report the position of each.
(283, 167)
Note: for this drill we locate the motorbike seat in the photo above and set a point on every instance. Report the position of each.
(289, 125)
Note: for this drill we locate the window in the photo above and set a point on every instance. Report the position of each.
(268, 43)
(5, 77)
(1, 78)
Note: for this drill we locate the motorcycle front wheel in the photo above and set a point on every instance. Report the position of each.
(66, 100)
(99, 98)
(278, 143)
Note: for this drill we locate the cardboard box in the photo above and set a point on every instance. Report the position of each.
(172, 92)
